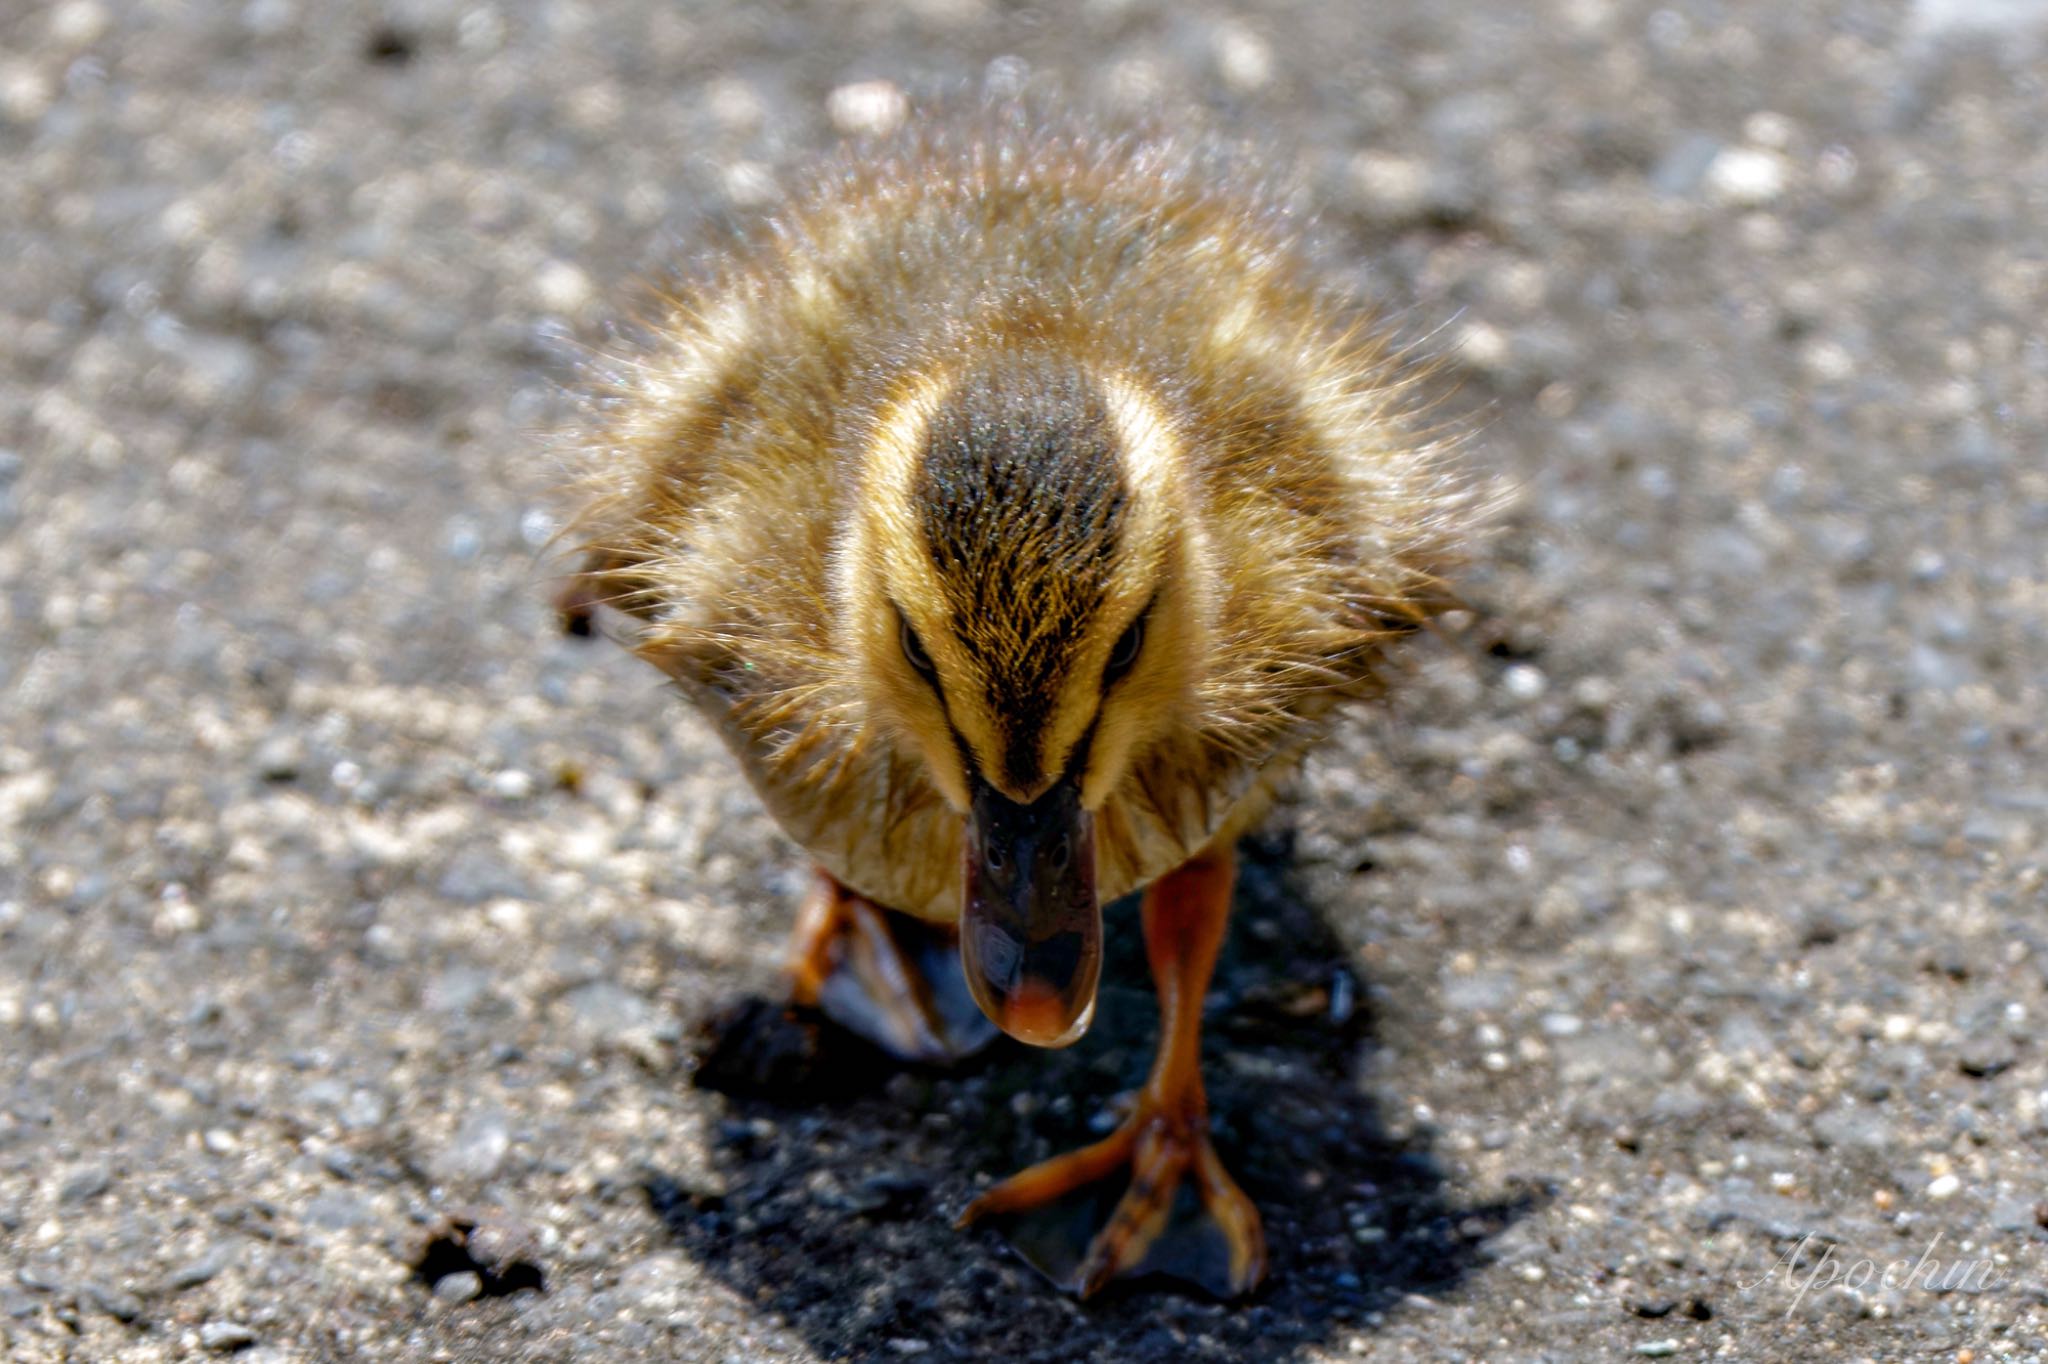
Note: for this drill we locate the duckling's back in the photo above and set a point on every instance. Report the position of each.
(724, 458)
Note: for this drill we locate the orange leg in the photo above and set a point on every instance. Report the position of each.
(891, 979)
(1166, 1140)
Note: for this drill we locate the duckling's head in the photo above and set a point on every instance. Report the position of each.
(1028, 587)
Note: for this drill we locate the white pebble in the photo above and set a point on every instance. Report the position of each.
(1391, 186)
(511, 784)
(1243, 58)
(1945, 1186)
(871, 108)
(176, 915)
(226, 1337)
(560, 287)
(1747, 176)
(1524, 683)
(25, 93)
(78, 23)
(510, 917)
(1828, 361)
(536, 527)
(1483, 347)
(462, 1286)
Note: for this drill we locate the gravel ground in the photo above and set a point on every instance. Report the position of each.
(1661, 963)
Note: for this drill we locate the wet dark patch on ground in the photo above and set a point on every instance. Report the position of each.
(843, 1172)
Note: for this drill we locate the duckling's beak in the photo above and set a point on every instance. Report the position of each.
(1030, 929)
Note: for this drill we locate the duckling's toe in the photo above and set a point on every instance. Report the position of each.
(1151, 1198)
(891, 979)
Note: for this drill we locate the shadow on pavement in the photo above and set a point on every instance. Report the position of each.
(843, 1171)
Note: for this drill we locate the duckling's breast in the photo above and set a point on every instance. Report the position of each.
(725, 469)
(867, 814)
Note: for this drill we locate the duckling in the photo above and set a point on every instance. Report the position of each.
(1020, 505)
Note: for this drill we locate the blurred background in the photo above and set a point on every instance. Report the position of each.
(1677, 924)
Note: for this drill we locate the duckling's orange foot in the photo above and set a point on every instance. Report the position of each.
(1151, 1198)
(886, 977)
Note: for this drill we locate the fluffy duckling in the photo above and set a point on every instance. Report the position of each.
(1019, 504)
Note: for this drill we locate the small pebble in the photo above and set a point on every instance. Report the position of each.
(1391, 189)
(196, 1272)
(223, 1336)
(38, 1278)
(90, 1182)
(1483, 347)
(465, 1285)
(117, 1303)
(1945, 1186)
(1244, 59)
(1747, 176)
(870, 108)
(499, 1242)
(511, 784)
(280, 758)
(560, 287)
(1524, 683)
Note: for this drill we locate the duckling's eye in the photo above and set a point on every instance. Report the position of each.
(1125, 654)
(913, 650)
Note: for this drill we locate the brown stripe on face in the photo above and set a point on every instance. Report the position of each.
(1021, 498)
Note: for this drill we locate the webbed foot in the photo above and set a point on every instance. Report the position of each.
(1179, 1214)
(891, 979)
